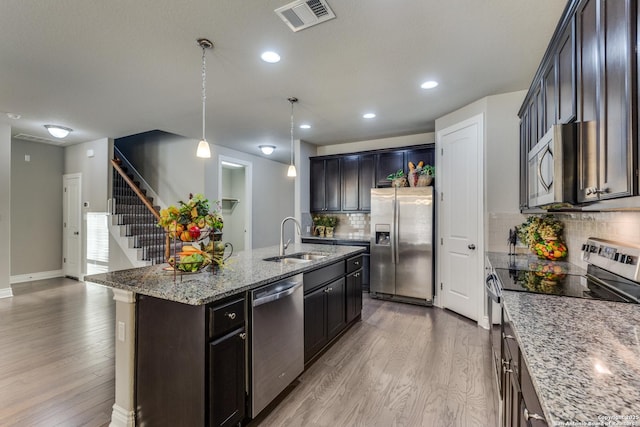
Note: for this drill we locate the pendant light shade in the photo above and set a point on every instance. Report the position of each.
(204, 151)
(291, 172)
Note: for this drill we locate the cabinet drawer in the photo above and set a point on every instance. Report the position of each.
(323, 275)
(225, 317)
(354, 263)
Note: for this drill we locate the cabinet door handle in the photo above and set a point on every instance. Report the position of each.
(508, 337)
(356, 275)
(231, 315)
(328, 289)
(243, 336)
(530, 415)
(356, 262)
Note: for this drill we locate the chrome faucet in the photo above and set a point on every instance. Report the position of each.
(284, 246)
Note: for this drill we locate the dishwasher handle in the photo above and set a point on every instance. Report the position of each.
(270, 297)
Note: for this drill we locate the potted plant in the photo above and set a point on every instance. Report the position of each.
(426, 174)
(330, 224)
(319, 225)
(398, 178)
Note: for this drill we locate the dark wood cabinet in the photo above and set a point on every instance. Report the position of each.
(386, 164)
(200, 378)
(350, 170)
(354, 295)
(606, 140)
(325, 184)
(549, 86)
(315, 324)
(336, 321)
(566, 75)
(227, 379)
(344, 182)
(366, 181)
(324, 316)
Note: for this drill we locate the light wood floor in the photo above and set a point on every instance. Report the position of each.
(402, 365)
(56, 354)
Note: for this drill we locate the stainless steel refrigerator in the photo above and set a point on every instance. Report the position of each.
(402, 244)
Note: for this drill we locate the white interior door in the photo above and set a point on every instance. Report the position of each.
(237, 219)
(461, 213)
(72, 225)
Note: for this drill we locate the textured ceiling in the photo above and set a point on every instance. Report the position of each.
(116, 68)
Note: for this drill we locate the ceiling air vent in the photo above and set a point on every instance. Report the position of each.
(303, 14)
(33, 138)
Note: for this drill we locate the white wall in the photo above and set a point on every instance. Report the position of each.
(5, 209)
(167, 162)
(272, 193)
(377, 144)
(95, 179)
(36, 207)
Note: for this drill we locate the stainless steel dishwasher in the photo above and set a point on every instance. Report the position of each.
(277, 339)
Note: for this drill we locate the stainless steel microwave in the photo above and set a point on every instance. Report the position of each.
(552, 168)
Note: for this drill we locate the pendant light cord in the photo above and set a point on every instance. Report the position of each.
(292, 101)
(204, 88)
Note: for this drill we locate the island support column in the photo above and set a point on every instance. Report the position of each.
(124, 414)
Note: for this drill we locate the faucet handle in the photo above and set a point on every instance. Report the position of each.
(286, 245)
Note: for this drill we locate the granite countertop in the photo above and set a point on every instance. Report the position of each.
(529, 262)
(583, 356)
(243, 272)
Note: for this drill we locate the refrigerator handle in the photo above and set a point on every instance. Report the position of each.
(396, 229)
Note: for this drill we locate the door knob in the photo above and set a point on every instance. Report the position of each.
(76, 233)
(472, 247)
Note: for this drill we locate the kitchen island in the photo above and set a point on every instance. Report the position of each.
(174, 332)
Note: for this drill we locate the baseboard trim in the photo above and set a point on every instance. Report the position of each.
(120, 417)
(6, 293)
(30, 277)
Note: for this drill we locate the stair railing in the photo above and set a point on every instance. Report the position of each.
(122, 175)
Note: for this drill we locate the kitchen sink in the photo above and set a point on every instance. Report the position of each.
(297, 258)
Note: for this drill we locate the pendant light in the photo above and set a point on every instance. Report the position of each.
(291, 172)
(203, 150)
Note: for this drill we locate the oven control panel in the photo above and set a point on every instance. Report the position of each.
(619, 258)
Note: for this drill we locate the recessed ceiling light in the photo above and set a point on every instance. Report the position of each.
(58, 131)
(14, 116)
(368, 116)
(267, 149)
(429, 84)
(270, 57)
(305, 126)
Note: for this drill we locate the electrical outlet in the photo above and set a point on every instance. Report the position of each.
(121, 331)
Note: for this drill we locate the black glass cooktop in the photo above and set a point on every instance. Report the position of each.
(551, 279)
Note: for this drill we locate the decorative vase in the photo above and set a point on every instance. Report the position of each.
(328, 231)
(320, 229)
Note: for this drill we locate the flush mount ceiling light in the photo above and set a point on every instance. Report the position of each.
(429, 84)
(270, 57)
(267, 149)
(368, 116)
(14, 116)
(203, 150)
(305, 126)
(291, 172)
(58, 131)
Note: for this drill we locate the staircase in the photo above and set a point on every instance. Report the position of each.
(134, 214)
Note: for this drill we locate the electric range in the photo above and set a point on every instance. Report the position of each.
(613, 274)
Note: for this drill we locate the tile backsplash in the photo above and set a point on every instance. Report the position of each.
(621, 226)
(355, 225)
